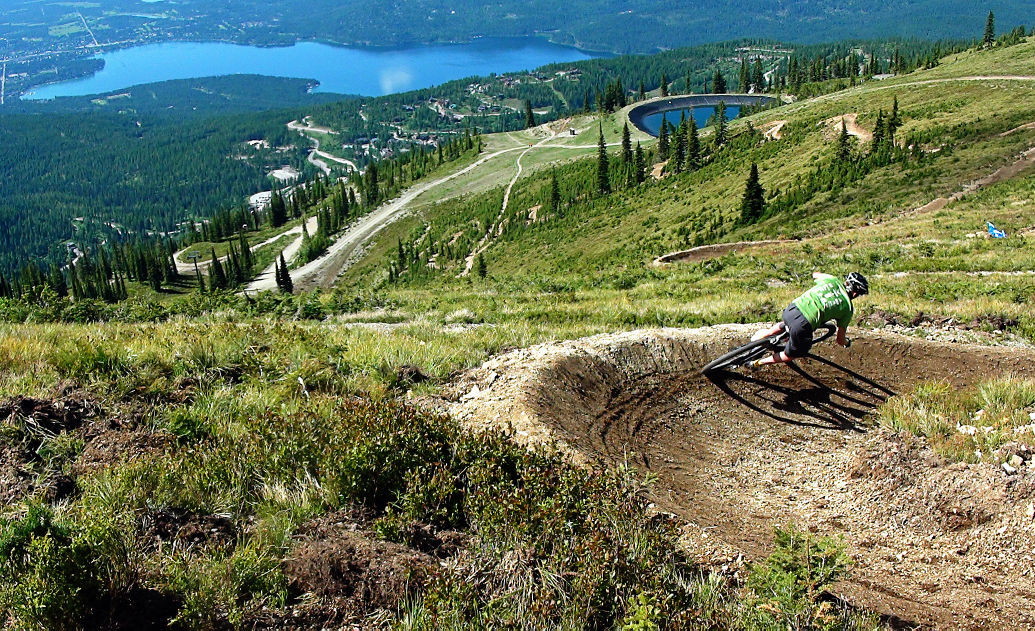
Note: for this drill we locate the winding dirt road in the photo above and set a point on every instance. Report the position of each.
(203, 264)
(325, 269)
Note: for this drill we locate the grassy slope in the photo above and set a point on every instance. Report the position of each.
(594, 262)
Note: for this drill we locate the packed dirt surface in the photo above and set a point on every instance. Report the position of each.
(715, 250)
(773, 130)
(938, 544)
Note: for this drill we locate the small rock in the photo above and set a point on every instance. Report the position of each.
(1010, 470)
(1016, 461)
(1030, 511)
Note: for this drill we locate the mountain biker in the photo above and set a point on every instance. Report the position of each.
(829, 299)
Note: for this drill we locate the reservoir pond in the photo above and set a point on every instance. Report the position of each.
(700, 114)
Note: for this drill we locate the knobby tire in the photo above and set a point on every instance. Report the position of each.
(754, 350)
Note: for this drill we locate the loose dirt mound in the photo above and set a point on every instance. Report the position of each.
(27, 424)
(187, 528)
(346, 576)
(944, 545)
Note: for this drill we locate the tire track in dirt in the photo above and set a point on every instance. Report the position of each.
(942, 544)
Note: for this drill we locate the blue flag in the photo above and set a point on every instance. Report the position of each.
(994, 232)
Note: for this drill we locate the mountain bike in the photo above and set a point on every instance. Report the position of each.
(760, 348)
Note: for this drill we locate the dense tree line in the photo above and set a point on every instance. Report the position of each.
(652, 26)
(97, 178)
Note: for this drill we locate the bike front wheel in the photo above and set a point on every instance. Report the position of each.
(743, 354)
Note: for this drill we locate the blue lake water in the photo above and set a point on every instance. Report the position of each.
(700, 114)
(370, 72)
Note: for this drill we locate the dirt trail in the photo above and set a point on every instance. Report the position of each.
(773, 130)
(851, 122)
(486, 240)
(324, 270)
(943, 545)
(715, 250)
(187, 268)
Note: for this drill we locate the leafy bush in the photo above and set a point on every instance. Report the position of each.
(50, 577)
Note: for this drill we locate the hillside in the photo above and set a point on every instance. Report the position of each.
(463, 426)
(596, 251)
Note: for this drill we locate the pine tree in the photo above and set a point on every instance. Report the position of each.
(844, 144)
(664, 85)
(758, 76)
(663, 138)
(894, 122)
(643, 92)
(879, 130)
(555, 192)
(640, 164)
(626, 144)
(287, 286)
(989, 38)
(693, 146)
(679, 146)
(752, 205)
(718, 83)
(57, 281)
(721, 129)
(278, 211)
(529, 115)
(745, 77)
(603, 175)
(216, 275)
(479, 266)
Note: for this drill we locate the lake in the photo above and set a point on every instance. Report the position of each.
(701, 115)
(365, 71)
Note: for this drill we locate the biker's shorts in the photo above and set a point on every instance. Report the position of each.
(799, 341)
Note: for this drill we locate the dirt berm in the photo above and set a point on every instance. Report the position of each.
(934, 543)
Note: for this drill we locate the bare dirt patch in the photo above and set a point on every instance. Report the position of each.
(851, 123)
(343, 575)
(773, 130)
(27, 424)
(187, 528)
(942, 544)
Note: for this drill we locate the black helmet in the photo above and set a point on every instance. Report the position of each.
(856, 283)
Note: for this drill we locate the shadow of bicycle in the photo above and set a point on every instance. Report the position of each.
(811, 392)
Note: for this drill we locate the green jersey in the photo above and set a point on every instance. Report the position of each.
(826, 300)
